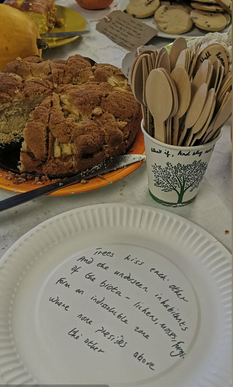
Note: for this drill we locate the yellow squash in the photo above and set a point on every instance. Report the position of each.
(18, 35)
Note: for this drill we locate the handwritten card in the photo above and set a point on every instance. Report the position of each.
(116, 307)
(126, 31)
(214, 52)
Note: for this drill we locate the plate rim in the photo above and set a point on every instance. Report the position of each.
(142, 207)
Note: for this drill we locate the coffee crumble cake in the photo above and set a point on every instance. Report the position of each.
(69, 114)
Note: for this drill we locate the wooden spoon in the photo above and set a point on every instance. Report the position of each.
(164, 61)
(137, 85)
(214, 78)
(220, 118)
(181, 79)
(159, 99)
(160, 52)
(220, 78)
(168, 129)
(225, 87)
(148, 52)
(178, 45)
(215, 135)
(196, 105)
(202, 118)
(145, 74)
(154, 56)
(195, 54)
(137, 79)
(210, 72)
(174, 110)
(200, 77)
(149, 63)
(182, 60)
(188, 59)
(203, 130)
(131, 72)
(148, 122)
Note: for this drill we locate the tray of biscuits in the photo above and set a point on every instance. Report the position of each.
(181, 18)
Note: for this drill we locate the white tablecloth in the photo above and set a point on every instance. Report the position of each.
(212, 208)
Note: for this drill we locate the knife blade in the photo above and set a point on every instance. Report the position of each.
(110, 165)
(67, 34)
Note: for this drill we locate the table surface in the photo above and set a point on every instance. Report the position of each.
(211, 210)
(212, 207)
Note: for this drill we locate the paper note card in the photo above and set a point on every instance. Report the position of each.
(125, 30)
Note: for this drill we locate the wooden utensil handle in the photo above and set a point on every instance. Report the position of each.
(144, 116)
(182, 136)
(159, 131)
(151, 126)
(175, 131)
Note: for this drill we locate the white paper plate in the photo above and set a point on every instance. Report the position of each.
(193, 33)
(116, 295)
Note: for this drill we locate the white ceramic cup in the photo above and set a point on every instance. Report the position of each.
(175, 172)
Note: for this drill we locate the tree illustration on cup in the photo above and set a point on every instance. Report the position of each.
(179, 178)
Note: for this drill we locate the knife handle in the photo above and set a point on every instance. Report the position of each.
(35, 193)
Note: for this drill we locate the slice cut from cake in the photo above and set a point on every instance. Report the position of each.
(42, 12)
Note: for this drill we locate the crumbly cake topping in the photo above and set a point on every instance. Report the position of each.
(10, 85)
(71, 115)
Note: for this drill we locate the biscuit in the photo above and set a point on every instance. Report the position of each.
(207, 7)
(225, 4)
(142, 8)
(177, 5)
(208, 21)
(173, 20)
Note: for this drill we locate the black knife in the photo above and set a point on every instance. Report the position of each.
(108, 166)
(67, 34)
